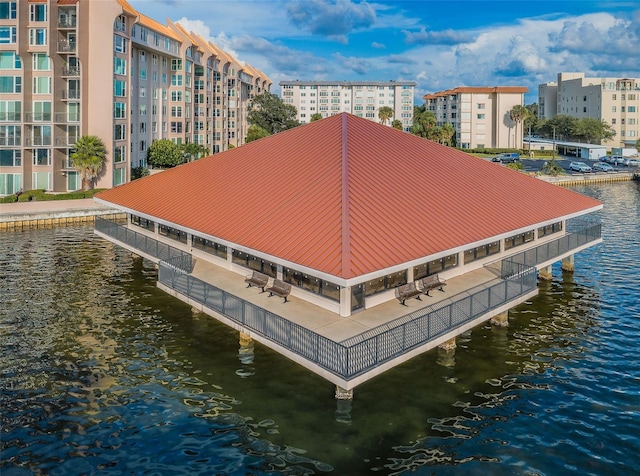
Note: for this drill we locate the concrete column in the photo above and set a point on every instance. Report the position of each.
(568, 264)
(448, 346)
(245, 352)
(545, 273)
(500, 320)
(343, 406)
(345, 301)
(343, 394)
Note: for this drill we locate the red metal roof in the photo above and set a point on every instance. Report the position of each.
(346, 196)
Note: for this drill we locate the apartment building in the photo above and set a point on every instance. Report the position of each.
(614, 100)
(480, 115)
(360, 98)
(70, 68)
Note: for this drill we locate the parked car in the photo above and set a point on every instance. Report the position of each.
(602, 167)
(616, 160)
(605, 158)
(507, 158)
(580, 167)
(630, 162)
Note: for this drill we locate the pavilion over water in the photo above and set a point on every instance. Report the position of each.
(345, 211)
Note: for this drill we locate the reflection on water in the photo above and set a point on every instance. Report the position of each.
(102, 373)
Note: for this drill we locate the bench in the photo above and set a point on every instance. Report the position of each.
(257, 279)
(279, 288)
(407, 291)
(431, 282)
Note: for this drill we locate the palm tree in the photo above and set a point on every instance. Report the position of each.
(397, 124)
(88, 158)
(518, 114)
(385, 113)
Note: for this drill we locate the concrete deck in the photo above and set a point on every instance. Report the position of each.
(327, 323)
(50, 209)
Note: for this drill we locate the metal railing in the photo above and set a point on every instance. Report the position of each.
(368, 350)
(174, 257)
(515, 277)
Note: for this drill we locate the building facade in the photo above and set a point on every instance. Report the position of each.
(613, 100)
(360, 98)
(480, 115)
(70, 68)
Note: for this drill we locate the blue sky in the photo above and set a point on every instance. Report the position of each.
(439, 44)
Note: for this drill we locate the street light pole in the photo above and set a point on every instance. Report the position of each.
(554, 142)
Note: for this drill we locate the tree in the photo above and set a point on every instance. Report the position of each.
(164, 153)
(448, 134)
(638, 145)
(255, 132)
(385, 113)
(423, 121)
(316, 117)
(592, 130)
(564, 127)
(397, 124)
(192, 151)
(88, 158)
(518, 114)
(271, 114)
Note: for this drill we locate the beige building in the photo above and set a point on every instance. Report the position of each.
(480, 115)
(360, 98)
(614, 100)
(70, 68)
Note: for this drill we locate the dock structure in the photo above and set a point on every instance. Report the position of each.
(342, 213)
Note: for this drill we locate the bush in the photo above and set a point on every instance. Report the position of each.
(139, 172)
(41, 196)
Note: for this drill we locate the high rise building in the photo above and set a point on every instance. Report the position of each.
(613, 100)
(480, 115)
(70, 68)
(360, 98)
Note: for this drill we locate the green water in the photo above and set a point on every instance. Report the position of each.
(102, 373)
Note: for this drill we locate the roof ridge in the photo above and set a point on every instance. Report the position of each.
(346, 225)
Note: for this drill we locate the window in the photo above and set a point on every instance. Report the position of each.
(143, 74)
(10, 84)
(41, 157)
(176, 127)
(41, 110)
(176, 95)
(38, 12)
(481, 252)
(517, 240)
(10, 135)
(119, 44)
(37, 36)
(42, 85)
(143, 127)
(143, 109)
(7, 35)
(119, 132)
(549, 229)
(143, 56)
(631, 109)
(10, 158)
(383, 283)
(119, 154)
(176, 111)
(614, 109)
(119, 110)
(8, 10)
(119, 176)
(73, 112)
(176, 65)
(176, 80)
(41, 135)
(480, 116)
(210, 247)
(120, 66)
(119, 88)
(10, 60)
(41, 62)
(10, 110)
(435, 266)
(10, 183)
(143, 145)
(42, 180)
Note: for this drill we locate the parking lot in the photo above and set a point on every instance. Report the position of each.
(534, 165)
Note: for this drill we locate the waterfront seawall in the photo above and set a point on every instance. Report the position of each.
(587, 179)
(43, 214)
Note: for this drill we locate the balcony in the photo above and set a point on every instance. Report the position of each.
(66, 22)
(37, 117)
(65, 46)
(65, 117)
(70, 94)
(69, 71)
(37, 141)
